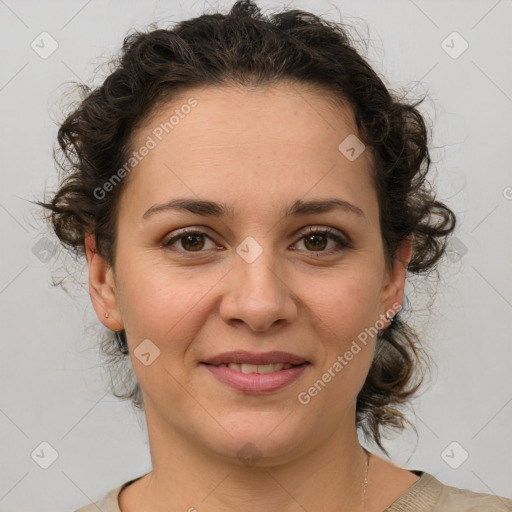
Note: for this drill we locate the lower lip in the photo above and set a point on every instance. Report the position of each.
(256, 383)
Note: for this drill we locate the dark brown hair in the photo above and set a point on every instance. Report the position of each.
(246, 48)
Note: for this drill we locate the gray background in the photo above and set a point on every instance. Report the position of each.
(53, 387)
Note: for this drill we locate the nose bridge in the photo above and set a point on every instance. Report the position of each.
(257, 269)
(259, 293)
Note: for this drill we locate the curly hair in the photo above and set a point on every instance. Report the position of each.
(246, 48)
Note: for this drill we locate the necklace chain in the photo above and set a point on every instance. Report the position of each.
(365, 482)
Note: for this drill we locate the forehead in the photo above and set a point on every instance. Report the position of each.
(283, 112)
(258, 143)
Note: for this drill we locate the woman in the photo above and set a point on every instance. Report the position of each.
(249, 197)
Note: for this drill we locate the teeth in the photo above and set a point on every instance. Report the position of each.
(257, 368)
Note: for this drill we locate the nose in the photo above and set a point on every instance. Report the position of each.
(258, 294)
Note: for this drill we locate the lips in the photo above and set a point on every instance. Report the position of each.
(253, 358)
(255, 383)
(256, 373)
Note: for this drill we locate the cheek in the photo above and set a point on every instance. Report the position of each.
(347, 310)
(347, 301)
(161, 302)
(346, 316)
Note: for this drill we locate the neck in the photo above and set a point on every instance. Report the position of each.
(187, 476)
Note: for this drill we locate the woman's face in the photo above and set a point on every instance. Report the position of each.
(253, 280)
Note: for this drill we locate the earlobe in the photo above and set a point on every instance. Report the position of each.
(102, 287)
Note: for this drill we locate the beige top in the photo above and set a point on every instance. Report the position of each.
(427, 494)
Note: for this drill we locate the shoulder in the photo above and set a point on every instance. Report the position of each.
(110, 501)
(430, 495)
(466, 500)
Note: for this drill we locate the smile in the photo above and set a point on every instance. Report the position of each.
(256, 368)
(256, 379)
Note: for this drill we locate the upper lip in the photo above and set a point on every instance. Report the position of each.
(244, 357)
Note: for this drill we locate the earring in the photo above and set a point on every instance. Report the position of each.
(121, 341)
(391, 319)
(106, 315)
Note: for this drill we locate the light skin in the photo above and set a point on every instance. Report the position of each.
(257, 151)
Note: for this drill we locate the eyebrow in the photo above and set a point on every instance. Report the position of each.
(211, 208)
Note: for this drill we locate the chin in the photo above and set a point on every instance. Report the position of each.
(258, 441)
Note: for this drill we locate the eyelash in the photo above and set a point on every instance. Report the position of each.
(342, 243)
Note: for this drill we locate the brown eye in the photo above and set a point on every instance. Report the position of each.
(190, 241)
(316, 240)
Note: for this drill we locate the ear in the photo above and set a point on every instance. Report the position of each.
(394, 281)
(102, 287)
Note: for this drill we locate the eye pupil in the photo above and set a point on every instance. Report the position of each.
(313, 237)
(187, 238)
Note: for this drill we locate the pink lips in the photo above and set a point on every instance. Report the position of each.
(256, 383)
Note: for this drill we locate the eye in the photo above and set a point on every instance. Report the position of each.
(316, 239)
(191, 240)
